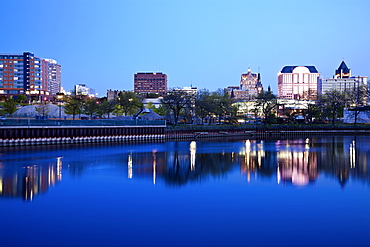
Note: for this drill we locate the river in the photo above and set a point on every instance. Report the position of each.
(241, 192)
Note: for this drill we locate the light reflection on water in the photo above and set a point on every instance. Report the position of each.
(210, 177)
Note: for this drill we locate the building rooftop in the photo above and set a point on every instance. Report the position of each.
(342, 67)
(289, 69)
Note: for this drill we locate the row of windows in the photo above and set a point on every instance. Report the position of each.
(11, 79)
(11, 61)
(20, 78)
(145, 88)
(147, 83)
(153, 80)
(11, 82)
(10, 57)
(6, 86)
(20, 62)
(11, 91)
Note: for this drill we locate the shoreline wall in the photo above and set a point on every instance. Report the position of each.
(45, 135)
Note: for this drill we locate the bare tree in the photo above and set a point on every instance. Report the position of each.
(43, 109)
(175, 101)
(355, 100)
(266, 102)
(334, 102)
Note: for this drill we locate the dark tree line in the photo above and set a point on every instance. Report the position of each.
(211, 107)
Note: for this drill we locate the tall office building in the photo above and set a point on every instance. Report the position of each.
(150, 83)
(343, 80)
(295, 81)
(24, 74)
(54, 76)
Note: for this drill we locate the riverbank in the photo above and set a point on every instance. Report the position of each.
(48, 135)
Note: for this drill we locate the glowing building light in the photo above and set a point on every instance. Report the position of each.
(129, 166)
(193, 149)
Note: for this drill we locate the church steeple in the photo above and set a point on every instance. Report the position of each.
(343, 71)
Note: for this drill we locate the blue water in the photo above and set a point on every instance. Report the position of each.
(297, 192)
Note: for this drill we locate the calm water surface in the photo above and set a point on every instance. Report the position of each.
(297, 192)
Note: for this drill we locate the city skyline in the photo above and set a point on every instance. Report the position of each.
(207, 44)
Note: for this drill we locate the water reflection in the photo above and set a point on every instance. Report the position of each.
(28, 181)
(297, 162)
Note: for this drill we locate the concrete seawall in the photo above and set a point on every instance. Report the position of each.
(47, 135)
(44, 135)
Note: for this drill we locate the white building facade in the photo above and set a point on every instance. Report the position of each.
(295, 81)
(82, 89)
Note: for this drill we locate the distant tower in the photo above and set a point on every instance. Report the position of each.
(251, 82)
(343, 81)
(343, 71)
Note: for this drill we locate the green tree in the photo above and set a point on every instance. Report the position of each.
(10, 106)
(90, 107)
(152, 95)
(106, 107)
(128, 102)
(21, 98)
(161, 110)
(73, 106)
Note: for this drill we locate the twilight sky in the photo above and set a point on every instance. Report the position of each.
(204, 43)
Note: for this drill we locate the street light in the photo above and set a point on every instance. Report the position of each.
(60, 97)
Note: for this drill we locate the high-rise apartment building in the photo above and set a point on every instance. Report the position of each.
(150, 83)
(25, 74)
(54, 76)
(295, 81)
(343, 80)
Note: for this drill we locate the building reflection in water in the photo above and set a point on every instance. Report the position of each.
(29, 181)
(352, 154)
(154, 165)
(295, 161)
(193, 149)
(129, 166)
(297, 164)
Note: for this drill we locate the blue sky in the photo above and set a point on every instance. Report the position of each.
(208, 44)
